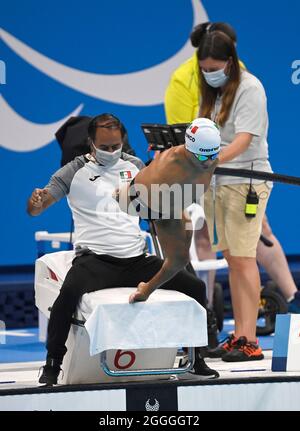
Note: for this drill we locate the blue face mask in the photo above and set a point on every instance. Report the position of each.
(216, 79)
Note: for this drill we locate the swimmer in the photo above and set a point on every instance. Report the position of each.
(189, 168)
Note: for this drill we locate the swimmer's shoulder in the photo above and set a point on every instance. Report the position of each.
(177, 154)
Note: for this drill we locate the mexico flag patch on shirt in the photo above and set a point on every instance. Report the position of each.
(125, 175)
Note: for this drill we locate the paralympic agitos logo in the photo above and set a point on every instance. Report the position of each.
(143, 87)
(2, 72)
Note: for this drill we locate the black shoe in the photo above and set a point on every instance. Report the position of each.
(212, 329)
(50, 372)
(201, 368)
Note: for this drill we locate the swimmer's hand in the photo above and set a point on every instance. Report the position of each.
(141, 294)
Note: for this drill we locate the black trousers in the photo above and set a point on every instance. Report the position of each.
(95, 272)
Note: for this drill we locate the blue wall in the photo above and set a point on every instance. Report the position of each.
(120, 37)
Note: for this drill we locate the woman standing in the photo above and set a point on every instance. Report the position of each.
(236, 100)
(182, 100)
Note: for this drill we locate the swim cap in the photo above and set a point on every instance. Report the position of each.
(202, 137)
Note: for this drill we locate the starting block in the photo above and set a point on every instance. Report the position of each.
(112, 340)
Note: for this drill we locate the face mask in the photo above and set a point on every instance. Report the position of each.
(216, 79)
(106, 158)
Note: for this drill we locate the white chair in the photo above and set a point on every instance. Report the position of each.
(202, 267)
(131, 341)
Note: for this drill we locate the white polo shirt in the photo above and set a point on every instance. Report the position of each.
(248, 114)
(100, 225)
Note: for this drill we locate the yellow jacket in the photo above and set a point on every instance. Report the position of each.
(182, 97)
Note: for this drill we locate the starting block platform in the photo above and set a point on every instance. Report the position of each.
(241, 387)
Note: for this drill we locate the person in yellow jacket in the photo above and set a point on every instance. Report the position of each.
(182, 97)
(182, 105)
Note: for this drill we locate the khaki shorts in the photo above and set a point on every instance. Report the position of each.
(235, 232)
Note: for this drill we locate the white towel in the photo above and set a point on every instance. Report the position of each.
(167, 319)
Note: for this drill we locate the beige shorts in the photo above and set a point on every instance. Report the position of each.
(235, 232)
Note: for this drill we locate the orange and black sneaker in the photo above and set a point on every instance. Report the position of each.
(244, 350)
(223, 348)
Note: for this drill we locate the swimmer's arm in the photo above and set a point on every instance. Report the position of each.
(175, 242)
(205, 180)
(169, 269)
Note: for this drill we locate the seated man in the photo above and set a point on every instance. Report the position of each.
(163, 190)
(109, 244)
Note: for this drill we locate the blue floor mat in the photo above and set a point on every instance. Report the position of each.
(23, 345)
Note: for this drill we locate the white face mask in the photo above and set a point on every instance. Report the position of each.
(217, 78)
(106, 158)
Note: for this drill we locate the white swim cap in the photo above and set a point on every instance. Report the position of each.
(202, 137)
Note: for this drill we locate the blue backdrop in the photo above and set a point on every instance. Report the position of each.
(42, 44)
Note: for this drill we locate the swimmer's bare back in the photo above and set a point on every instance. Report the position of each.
(176, 166)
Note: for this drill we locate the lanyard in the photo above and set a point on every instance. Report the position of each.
(213, 183)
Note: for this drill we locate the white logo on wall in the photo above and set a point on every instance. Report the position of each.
(296, 73)
(2, 332)
(19, 134)
(146, 88)
(152, 407)
(2, 72)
